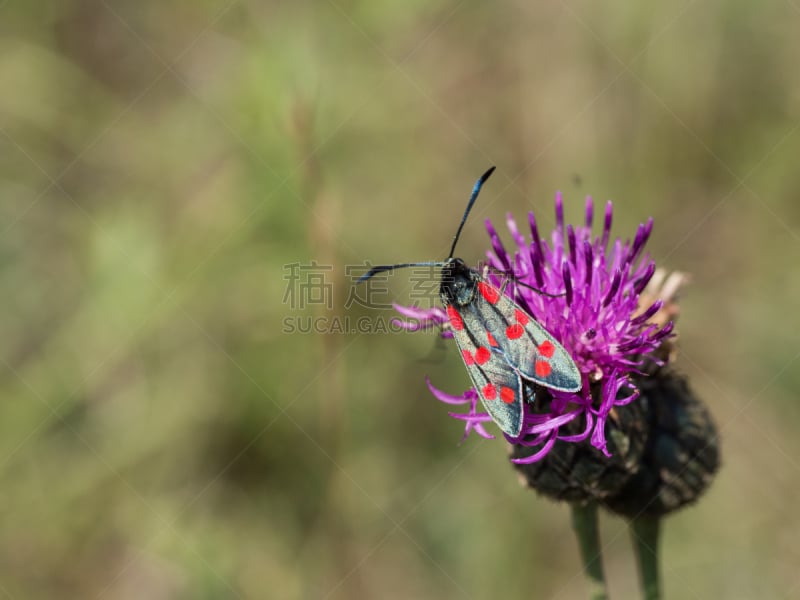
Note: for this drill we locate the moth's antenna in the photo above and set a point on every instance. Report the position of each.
(475, 191)
(516, 281)
(383, 268)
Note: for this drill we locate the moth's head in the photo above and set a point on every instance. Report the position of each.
(458, 283)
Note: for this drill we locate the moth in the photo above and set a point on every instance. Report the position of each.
(505, 350)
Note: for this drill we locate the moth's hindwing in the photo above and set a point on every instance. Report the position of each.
(499, 385)
(527, 346)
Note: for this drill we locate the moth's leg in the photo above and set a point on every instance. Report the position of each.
(436, 354)
(529, 393)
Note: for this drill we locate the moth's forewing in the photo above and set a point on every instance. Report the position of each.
(527, 346)
(498, 384)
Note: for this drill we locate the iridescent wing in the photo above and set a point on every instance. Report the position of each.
(498, 384)
(527, 346)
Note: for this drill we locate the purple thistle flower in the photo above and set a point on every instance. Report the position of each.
(593, 304)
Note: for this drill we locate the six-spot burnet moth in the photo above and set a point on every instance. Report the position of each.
(504, 349)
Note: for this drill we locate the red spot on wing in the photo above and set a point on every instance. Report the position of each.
(490, 294)
(467, 356)
(482, 355)
(543, 368)
(507, 394)
(489, 391)
(514, 331)
(455, 318)
(521, 317)
(490, 337)
(547, 349)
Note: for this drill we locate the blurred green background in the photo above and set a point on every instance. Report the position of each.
(161, 436)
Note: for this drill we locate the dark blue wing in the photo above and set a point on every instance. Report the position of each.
(498, 384)
(528, 348)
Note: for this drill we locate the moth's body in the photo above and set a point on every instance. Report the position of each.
(459, 283)
(506, 351)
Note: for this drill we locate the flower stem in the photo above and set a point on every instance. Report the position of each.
(584, 522)
(644, 531)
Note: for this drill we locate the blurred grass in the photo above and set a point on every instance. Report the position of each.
(159, 165)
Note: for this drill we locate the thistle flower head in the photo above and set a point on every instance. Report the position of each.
(593, 303)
